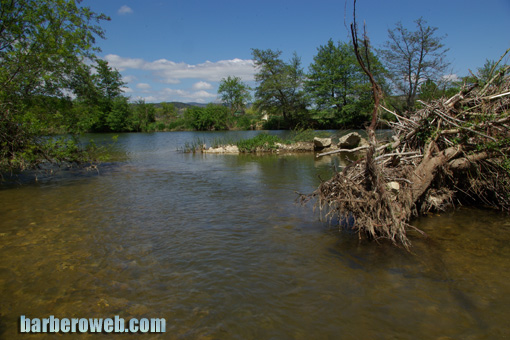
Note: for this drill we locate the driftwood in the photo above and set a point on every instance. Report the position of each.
(451, 151)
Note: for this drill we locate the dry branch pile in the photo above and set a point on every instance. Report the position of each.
(451, 151)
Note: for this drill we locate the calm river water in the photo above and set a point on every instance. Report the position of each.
(216, 245)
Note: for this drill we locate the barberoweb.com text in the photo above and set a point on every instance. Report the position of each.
(91, 325)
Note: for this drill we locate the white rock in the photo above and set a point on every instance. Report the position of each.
(349, 141)
(321, 143)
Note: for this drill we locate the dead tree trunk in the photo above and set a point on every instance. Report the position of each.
(450, 151)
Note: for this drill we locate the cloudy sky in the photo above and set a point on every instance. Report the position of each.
(179, 50)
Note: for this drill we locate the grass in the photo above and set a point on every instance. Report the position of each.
(263, 141)
(196, 145)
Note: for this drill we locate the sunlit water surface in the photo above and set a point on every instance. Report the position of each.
(216, 245)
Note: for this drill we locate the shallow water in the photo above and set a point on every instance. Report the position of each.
(216, 245)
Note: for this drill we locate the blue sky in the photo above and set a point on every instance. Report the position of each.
(179, 50)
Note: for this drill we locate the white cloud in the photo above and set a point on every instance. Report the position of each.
(125, 10)
(201, 96)
(168, 94)
(143, 86)
(129, 79)
(202, 85)
(171, 72)
(450, 78)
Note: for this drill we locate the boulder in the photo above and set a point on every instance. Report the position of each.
(349, 141)
(321, 143)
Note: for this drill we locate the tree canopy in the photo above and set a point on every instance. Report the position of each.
(234, 93)
(413, 57)
(337, 88)
(280, 85)
(43, 43)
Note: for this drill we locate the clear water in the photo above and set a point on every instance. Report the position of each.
(216, 245)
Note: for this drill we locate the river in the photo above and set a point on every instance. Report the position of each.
(217, 246)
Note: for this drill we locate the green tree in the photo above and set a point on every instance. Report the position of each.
(280, 89)
(168, 110)
(97, 87)
(234, 93)
(117, 119)
(330, 83)
(211, 117)
(42, 44)
(413, 57)
(338, 89)
(142, 116)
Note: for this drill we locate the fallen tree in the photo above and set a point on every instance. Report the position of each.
(451, 151)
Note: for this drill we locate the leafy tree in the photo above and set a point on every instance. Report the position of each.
(42, 45)
(412, 57)
(330, 83)
(211, 117)
(142, 116)
(118, 118)
(168, 110)
(338, 89)
(280, 85)
(97, 87)
(234, 93)
(108, 82)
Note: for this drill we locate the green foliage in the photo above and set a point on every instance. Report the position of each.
(43, 42)
(99, 91)
(179, 125)
(234, 93)
(196, 145)
(117, 118)
(243, 122)
(331, 80)
(306, 135)
(212, 117)
(338, 90)
(142, 115)
(429, 90)
(276, 123)
(280, 86)
(485, 73)
(42, 47)
(262, 141)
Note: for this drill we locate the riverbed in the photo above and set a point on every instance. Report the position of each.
(217, 246)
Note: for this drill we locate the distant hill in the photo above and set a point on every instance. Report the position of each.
(180, 105)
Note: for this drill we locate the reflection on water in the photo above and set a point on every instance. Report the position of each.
(216, 246)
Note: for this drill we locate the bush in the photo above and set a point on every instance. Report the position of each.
(179, 124)
(212, 117)
(276, 123)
